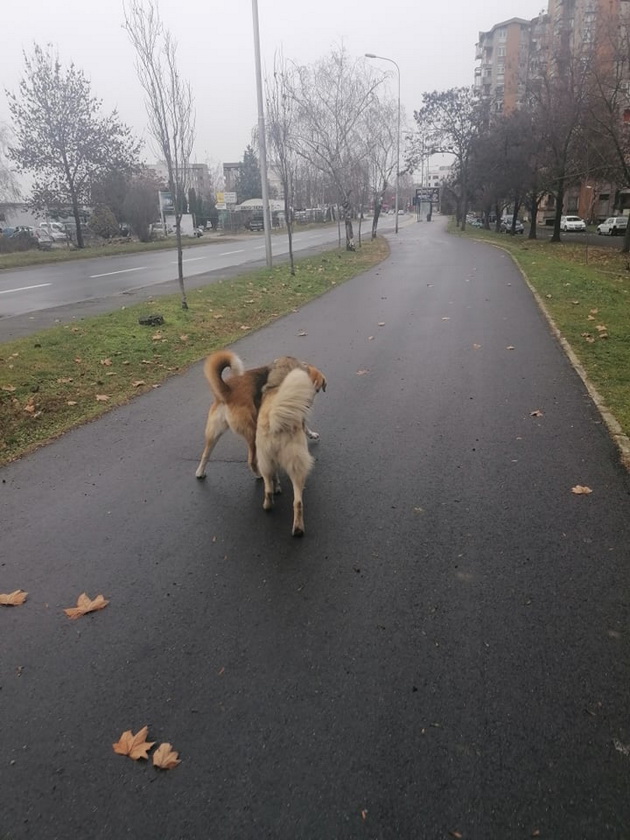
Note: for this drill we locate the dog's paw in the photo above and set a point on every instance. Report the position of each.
(311, 435)
(200, 475)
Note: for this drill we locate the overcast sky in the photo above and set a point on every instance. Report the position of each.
(432, 41)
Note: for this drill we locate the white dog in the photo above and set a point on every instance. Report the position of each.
(281, 439)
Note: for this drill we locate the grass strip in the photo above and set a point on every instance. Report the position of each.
(586, 290)
(62, 377)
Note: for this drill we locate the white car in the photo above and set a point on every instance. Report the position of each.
(54, 230)
(569, 223)
(613, 226)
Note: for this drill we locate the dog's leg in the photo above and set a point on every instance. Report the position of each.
(310, 434)
(252, 459)
(298, 471)
(269, 488)
(277, 487)
(215, 426)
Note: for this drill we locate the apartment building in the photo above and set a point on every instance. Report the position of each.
(504, 55)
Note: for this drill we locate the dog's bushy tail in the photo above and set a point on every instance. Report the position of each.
(213, 368)
(292, 403)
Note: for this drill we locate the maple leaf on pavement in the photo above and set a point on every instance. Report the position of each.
(85, 605)
(13, 599)
(134, 745)
(165, 757)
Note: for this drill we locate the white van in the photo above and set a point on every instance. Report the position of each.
(55, 230)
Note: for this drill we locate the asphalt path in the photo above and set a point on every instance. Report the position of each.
(444, 654)
(104, 280)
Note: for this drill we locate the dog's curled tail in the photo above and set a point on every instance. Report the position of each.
(213, 368)
(292, 403)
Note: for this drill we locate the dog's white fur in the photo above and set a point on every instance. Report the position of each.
(281, 441)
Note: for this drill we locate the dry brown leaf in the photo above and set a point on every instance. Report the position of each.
(364, 814)
(72, 402)
(536, 413)
(106, 362)
(64, 380)
(183, 338)
(138, 383)
(456, 834)
(102, 397)
(381, 323)
(601, 328)
(370, 338)
(581, 490)
(245, 327)
(362, 372)
(85, 605)
(446, 318)
(476, 346)
(9, 388)
(13, 599)
(134, 745)
(594, 311)
(510, 347)
(156, 336)
(165, 757)
(302, 333)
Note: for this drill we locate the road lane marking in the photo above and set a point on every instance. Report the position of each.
(190, 259)
(24, 288)
(122, 271)
(227, 253)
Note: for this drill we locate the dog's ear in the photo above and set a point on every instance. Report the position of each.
(317, 377)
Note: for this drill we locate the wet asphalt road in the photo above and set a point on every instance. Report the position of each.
(444, 654)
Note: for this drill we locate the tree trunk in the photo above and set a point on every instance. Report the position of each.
(289, 223)
(180, 259)
(625, 249)
(377, 212)
(347, 217)
(77, 218)
(559, 203)
(533, 212)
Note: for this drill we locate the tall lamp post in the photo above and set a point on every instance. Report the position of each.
(391, 60)
(262, 138)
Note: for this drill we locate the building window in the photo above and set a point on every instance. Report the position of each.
(502, 34)
(501, 52)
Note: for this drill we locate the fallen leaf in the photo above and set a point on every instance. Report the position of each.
(446, 318)
(594, 311)
(138, 383)
(370, 338)
(588, 337)
(64, 380)
(183, 338)
(536, 832)
(9, 388)
(601, 328)
(165, 757)
(106, 362)
(71, 402)
(381, 323)
(102, 397)
(536, 413)
(157, 336)
(85, 605)
(476, 346)
(13, 599)
(581, 490)
(245, 327)
(575, 302)
(30, 407)
(362, 372)
(590, 318)
(134, 745)
(456, 834)
(509, 347)
(364, 814)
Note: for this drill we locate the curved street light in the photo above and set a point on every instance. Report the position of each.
(391, 60)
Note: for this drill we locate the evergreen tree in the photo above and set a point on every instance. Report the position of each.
(248, 183)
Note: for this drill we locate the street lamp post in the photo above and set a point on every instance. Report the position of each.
(391, 60)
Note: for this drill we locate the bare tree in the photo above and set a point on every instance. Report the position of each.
(169, 104)
(381, 138)
(450, 122)
(331, 98)
(281, 125)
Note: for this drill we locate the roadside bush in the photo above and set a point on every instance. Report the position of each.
(103, 223)
(21, 242)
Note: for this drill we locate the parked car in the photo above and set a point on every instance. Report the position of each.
(572, 223)
(55, 230)
(613, 226)
(506, 226)
(255, 223)
(7, 231)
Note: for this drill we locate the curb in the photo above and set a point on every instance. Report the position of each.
(621, 440)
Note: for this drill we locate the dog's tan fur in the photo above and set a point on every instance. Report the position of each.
(238, 398)
(281, 439)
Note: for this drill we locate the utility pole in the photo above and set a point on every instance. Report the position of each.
(262, 139)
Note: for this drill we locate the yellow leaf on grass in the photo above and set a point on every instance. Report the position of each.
(71, 402)
(106, 362)
(85, 605)
(102, 397)
(165, 757)
(138, 383)
(134, 745)
(13, 599)
(9, 388)
(581, 490)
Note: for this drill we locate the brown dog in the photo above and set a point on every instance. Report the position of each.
(238, 398)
